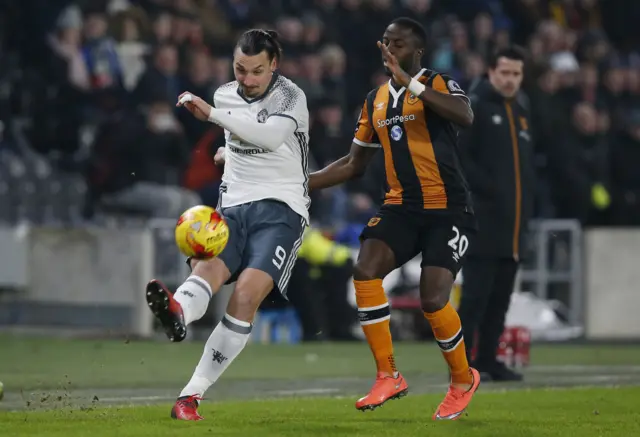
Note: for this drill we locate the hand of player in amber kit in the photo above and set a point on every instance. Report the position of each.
(194, 104)
(400, 76)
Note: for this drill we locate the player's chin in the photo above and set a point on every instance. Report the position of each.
(388, 72)
(250, 92)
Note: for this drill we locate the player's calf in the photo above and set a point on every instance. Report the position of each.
(435, 286)
(252, 288)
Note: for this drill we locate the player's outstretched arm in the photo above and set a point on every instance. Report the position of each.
(269, 135)
(348, 167)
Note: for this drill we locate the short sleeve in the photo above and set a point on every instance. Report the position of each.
(365, 135)
(289, 101)
(444, 84)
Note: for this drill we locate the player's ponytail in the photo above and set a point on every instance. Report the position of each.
(254, 41)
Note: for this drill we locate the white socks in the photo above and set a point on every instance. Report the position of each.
(194, 296)
(222, 347)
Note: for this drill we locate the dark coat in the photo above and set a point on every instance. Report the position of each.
(498, 161)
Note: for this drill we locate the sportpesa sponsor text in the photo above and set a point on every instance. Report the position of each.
(396, 119)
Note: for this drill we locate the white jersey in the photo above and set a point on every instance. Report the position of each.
(253, 173)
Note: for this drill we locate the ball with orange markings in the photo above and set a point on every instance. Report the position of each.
(201, 232)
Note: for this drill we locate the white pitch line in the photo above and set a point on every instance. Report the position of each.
(582, 368)
(304, 391)
(136, 399)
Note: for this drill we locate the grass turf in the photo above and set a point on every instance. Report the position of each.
(539, 413)
(44, 363)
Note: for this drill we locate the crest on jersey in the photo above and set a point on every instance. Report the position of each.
(374, 221)
(412, 99)
(454, 87)
(262, 116)
(396, 133)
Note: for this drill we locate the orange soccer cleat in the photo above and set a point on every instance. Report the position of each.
(385, 388)
(457, 400)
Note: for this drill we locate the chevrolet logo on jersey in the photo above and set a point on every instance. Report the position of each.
(247, 151)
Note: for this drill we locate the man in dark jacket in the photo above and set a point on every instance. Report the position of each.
(498, 161)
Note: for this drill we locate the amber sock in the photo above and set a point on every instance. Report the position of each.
(374, 314)
(448, 333)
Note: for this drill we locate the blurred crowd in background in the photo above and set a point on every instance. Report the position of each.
(89, 127)
(88, 89)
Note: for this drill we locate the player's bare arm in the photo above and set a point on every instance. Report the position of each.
(348, 167)
(451, 107)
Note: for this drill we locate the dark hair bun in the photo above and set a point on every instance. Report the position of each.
(273, 34)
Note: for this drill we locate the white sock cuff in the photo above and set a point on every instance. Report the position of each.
(237, 321)
(235, 325)
(200, 282)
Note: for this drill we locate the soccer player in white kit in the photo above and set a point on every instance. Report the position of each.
(264, 198)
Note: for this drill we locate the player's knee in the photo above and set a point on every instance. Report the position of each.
(244, 303)
(193, 263)
(214, 271)
(364, 272)
(434, 302)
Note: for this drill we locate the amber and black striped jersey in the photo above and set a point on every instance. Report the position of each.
(420, 147)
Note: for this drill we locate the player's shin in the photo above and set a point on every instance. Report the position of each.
(224, 344)
(374, 313)
(447, 331)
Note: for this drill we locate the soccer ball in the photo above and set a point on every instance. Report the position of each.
(201, 232)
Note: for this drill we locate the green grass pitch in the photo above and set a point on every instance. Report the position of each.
(50, 386)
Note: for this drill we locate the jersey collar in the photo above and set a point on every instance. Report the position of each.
(274, 77)
(400, 91)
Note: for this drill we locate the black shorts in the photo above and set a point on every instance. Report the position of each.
(441, 236)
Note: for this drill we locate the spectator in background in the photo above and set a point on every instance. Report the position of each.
(334, 66)
(161, 78)
(482, 35)
(131, 47)
(66, 46)
(625, 156)
(579, 168)
(199, 79)
(162, 24)
(498, 162)
(100, 54)
(138, 162)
